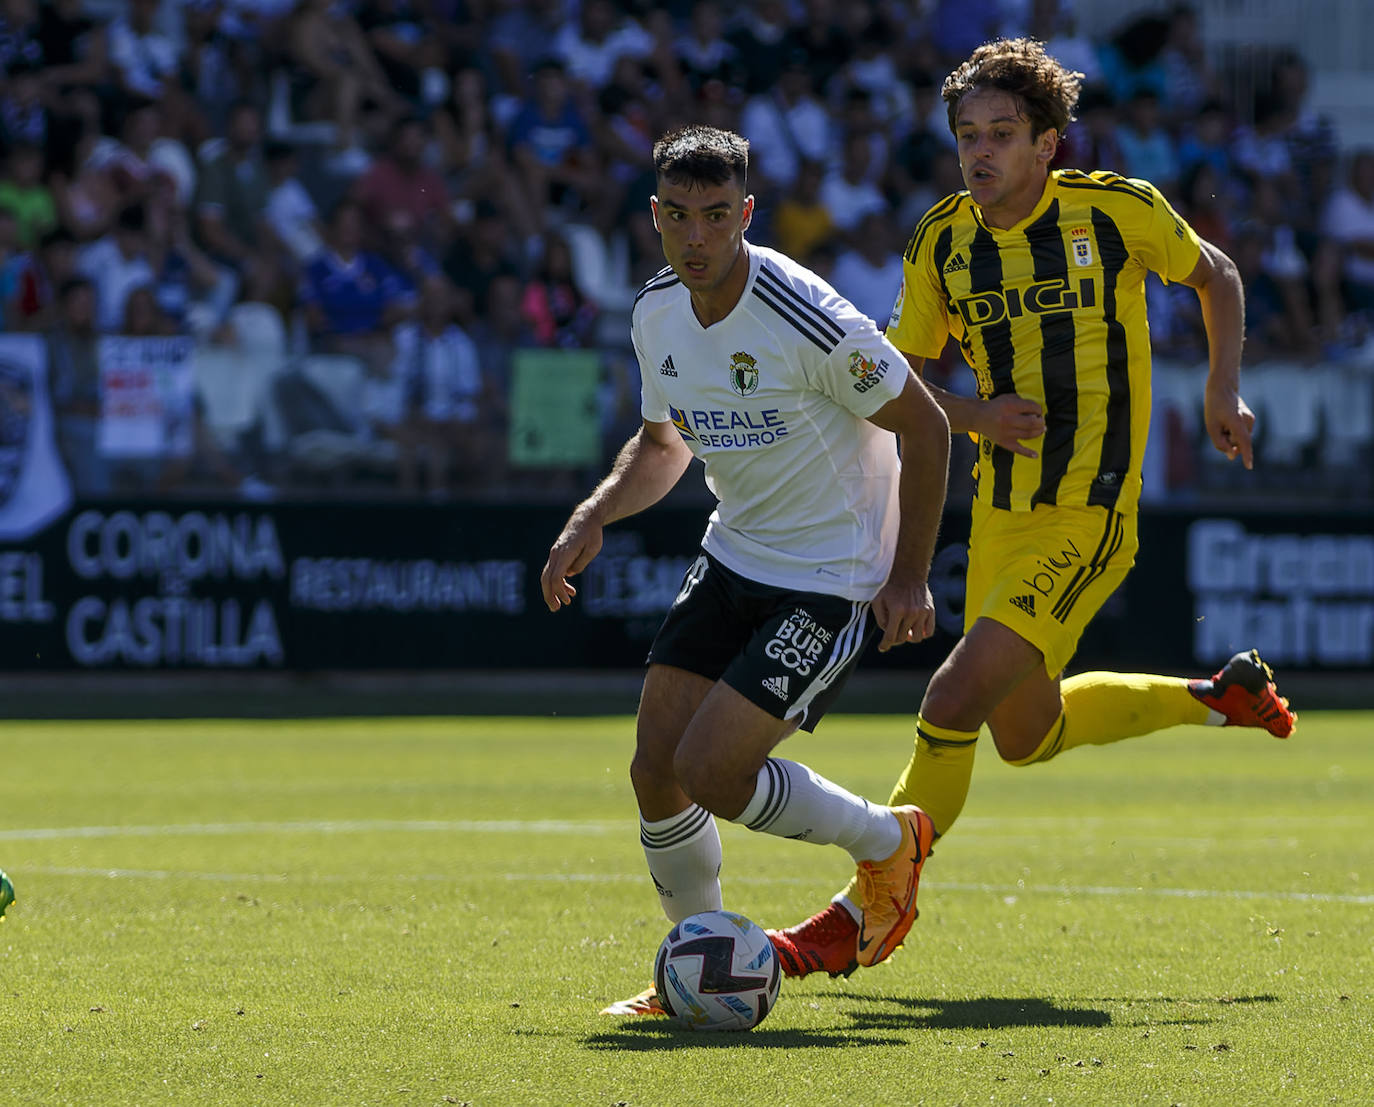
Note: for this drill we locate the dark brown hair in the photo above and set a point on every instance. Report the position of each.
(701, 155)
(1046, 92)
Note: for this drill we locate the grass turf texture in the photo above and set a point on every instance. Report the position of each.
(434, 910)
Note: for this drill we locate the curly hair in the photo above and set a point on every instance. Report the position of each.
(1045, 90)
(702, 155)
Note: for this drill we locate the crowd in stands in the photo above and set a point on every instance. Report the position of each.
(421, 189)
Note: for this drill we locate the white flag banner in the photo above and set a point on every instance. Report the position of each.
(34, 488)
(147, 396)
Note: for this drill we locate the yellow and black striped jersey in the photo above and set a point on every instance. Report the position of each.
(1053, 310)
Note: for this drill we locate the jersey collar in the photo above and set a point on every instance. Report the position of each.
(1046, 198)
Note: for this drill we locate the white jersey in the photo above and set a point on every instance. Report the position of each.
(774, 399)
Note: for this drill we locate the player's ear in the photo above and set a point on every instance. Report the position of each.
(1048, 145)
(653, 210)
(748, 214)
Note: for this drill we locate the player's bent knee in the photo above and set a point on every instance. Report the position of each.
(649, 773)
(1016, 747)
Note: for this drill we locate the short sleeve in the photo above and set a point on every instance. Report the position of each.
(919, 324)
(1166, 244)
(651, 403)
(864, 371)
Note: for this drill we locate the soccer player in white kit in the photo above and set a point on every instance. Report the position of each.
(795, 403)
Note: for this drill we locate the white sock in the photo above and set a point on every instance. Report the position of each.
(791, 801)
(683, 853)
(855, 911)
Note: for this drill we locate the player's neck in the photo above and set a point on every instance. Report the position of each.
(1013, 209)
(711, 305)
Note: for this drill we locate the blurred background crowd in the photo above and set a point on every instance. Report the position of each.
(367, 215)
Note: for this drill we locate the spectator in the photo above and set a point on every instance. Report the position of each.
(873, 68)
(557, 312)
(1204, 202)
(144, 161)
(25, 116)
(821, 37)
(343, 79)
(801, 222)
(517, 40)
(14, 262)
(23, 193)
(761, 37)
(847, 192)
(703, 52)
(87, 199)
(144, 317)
(116, 264)
(1270, 331)
(75, 373)
(233, 192)
(434, 403)
(190, 290)
(868, 272)
(290, 210)
(351, 296)
(49, 267)
(402, 196)
(551, 145)
(590, 44)
(76, 60)
(785, 124)
(1131, 57)
(412, 56)
(1207, 138)
(146, 61)
(477, 257)
(1094, 140)
(500, 332)
(1054, 23)
(1261, 151)
(1349, 221)
(1147, 149)
(1183, 60)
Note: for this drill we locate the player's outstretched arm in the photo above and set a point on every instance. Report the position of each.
(904, 607)
(648, 465)
(1228, 418)
(1005, 421)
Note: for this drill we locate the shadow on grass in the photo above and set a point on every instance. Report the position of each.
(982, 1013)
(904, 1013)
(999, 1012)
(657, 1034)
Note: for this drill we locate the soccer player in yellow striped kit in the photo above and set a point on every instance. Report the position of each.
(1039, 275)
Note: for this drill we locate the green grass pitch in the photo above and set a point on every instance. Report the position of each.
(430, 911)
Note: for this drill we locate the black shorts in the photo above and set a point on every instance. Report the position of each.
(788, 652)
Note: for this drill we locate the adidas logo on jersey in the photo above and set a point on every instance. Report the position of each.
(956, 264)
(1025, 603)
(667, 369)
(777, 685)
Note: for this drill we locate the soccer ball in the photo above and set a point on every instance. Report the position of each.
(717, 971)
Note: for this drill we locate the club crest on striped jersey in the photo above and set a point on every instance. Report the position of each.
(1082, 246)
(744, 374)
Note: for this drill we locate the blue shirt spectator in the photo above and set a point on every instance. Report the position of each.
(346, 290)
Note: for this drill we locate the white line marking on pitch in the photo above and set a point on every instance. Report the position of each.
(971, 827)
(608, 878)
(323, 826)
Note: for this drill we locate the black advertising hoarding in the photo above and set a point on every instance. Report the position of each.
(301, 587)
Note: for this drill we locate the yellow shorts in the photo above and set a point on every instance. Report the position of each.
(1046, 572)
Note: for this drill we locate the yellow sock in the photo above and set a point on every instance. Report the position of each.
(1100, 708)
(937, 776)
